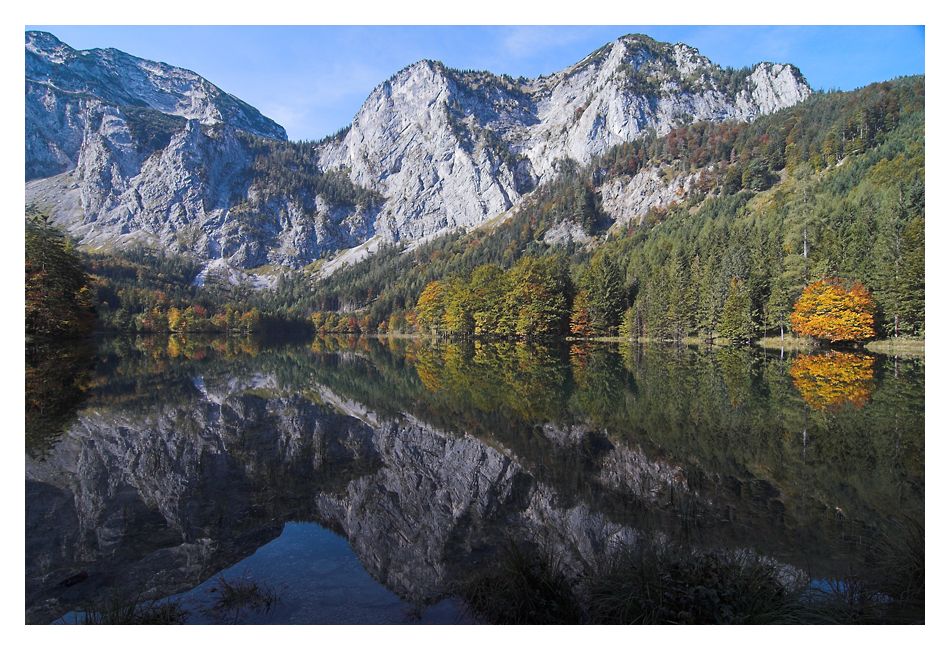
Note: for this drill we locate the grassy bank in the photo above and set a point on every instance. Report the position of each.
(899, 347)
(788, 343)
(686, 340)
(903, 346)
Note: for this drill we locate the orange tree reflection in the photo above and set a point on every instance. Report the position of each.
(831, 380)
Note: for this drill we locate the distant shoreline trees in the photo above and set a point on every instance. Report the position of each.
(69, 293)
(531, 300)
(536, 299)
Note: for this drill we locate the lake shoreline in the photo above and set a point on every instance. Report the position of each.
(905, 347)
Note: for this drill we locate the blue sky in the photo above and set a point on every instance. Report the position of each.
(312, 80)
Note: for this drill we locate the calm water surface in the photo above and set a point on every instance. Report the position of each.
(365, 480)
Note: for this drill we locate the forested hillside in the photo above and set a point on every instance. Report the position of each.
(69, 292)
(832, 188)
(826, 194)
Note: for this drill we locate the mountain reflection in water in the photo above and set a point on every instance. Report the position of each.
(157, 466)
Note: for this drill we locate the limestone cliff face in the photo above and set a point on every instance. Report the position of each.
(64, 86)
(451, 149)
(121, 149)
(432, 142)
(627, 199)
(125, 150)
(198, 194)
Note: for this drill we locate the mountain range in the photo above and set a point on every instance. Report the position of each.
(122, 150)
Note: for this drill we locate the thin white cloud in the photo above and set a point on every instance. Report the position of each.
(527, 41)
(777, 44)
(323, 98)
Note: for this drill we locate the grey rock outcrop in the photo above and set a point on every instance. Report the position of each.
(63, 84)
(628, 199)
(197, 194)
(452, 149)
(121, 149)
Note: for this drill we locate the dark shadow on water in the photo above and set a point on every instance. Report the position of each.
(56, 380)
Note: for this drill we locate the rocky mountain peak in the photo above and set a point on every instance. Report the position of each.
(773, 86)
(151, 151)
(114, 77)
(45, 44)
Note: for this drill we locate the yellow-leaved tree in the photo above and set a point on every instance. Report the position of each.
(430, 308)
(833, 310)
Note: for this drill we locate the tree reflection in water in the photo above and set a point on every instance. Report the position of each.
(834, 379)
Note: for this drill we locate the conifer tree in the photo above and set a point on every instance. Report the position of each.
(603, 283)
(692, 297)
(57, 292)
(778, 306)
(735, 322)
(629, 326)
(677, 299)
(910, 287)
(709, 299)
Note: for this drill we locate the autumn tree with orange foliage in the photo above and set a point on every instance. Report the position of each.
(580, 316)
(832, 310)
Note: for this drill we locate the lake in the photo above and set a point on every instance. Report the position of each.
(365, 480)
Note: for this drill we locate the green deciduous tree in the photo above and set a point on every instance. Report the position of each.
(457, 319)
(487, 288)
(538, 297)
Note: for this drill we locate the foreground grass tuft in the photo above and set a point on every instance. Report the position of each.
(674, 584)
(803, 344)
(120, 612)
(237, 597)
(523, 587)
(663, 586)
(903, 346)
